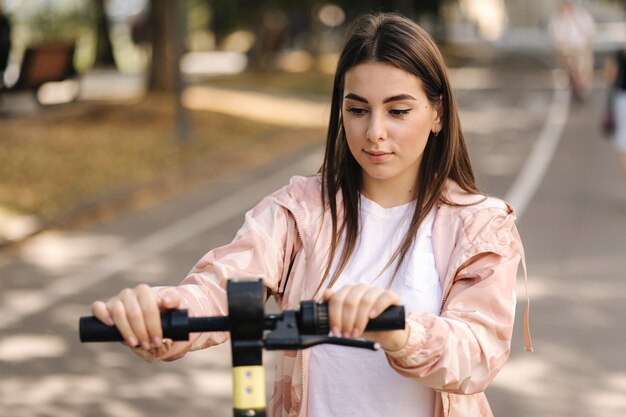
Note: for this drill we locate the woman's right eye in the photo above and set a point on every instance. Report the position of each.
(357, 111)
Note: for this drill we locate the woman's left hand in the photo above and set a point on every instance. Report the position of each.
(350, 308)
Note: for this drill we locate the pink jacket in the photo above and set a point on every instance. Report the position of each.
(457, 353)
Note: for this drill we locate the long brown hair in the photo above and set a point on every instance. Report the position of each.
(396, 40)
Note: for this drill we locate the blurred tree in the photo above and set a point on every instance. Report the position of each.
(167, 20)
(225, 18)
(104, 48)
(167, 37)
(411, 8)
(281, 23)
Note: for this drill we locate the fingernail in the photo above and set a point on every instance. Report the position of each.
(167, 299)
(132, 341)
(335, 331)
(145, 345)
(109, 321)
(355, 332)
(373, 313)
(156, 341)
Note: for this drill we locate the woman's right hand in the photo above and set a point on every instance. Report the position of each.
(136, 312)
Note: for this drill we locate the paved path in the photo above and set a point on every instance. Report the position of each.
(573, 225)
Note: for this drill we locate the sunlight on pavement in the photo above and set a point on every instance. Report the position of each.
(118, 408)
(550, 381)
(259, 107)
(524, 376)
(19, 298)
(112, 359)
(74, 389)
(161, 385)
(25, 347)
(609, 395)
(14, 226)
(56, 251)
(212, 382)
(40, 396)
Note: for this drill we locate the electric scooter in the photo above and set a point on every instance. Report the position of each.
(251, 331)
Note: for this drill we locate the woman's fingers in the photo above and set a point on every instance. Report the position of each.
(353, 306)
(151, 314)
(372, 303)
(136, 313)
(101, 312)
(169, 300)
(117, 309)
(382, 302)
(334, 312)
(342, 307)
(351, 302)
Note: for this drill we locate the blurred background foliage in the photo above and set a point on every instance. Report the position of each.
(122, 137)
(121, 32)
(145, 36)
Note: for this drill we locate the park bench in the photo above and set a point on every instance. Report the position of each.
(43, 63)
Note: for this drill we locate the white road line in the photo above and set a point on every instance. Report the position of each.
(537, 163)
(164, 239)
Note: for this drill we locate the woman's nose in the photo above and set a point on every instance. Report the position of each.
(376, 128)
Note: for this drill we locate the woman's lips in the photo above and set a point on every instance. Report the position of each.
(377, 157)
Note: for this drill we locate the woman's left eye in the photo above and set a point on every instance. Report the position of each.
(400, 112)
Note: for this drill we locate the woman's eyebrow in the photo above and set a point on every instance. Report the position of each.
(398, 97)
(353, 96)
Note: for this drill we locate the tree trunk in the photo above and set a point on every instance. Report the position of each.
(167, 19)
(104, 47)
(165, 54)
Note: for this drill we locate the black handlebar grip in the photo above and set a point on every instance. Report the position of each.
(175, 326)
(390, 319)
(314, 319)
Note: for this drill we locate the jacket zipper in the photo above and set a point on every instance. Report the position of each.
(449, 405)
(299, 233)
(301, 410)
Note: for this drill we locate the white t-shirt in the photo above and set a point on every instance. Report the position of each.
(346, 381)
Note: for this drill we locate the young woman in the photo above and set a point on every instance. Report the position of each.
(393, 217)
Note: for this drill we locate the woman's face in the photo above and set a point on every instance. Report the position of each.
(387, 120)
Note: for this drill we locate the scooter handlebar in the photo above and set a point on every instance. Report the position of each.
(176, 324)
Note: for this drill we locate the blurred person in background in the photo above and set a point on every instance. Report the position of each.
(615, 73)
(394, 216)
(5, 44)
(573, 31)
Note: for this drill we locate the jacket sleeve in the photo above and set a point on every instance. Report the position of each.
(259, 250)
(461, 350)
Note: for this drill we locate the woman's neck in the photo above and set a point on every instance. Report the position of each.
(387, 193)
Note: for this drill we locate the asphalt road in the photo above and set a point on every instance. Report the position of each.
(528, 144)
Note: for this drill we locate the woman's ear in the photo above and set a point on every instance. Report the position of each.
(438, 118)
